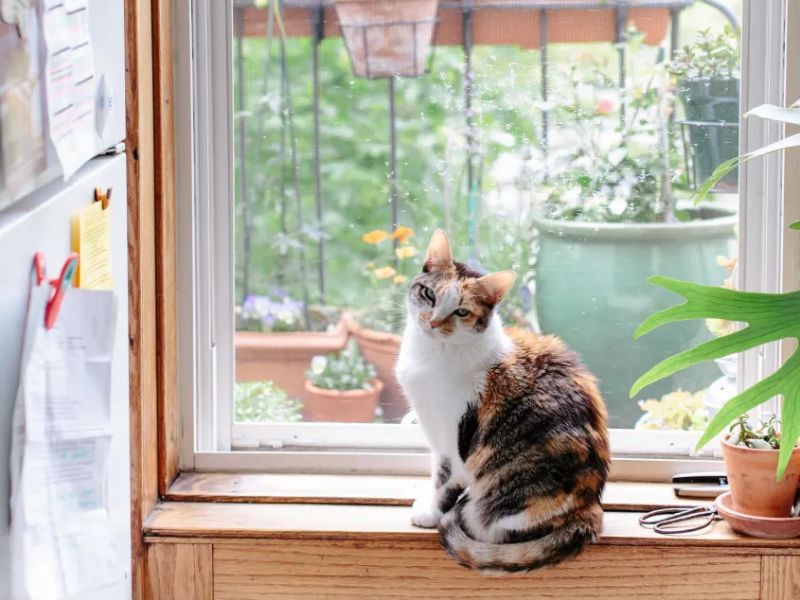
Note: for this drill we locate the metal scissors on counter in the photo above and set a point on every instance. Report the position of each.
(677, 520)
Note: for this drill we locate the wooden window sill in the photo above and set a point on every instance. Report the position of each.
(371, 490)
(217, 521)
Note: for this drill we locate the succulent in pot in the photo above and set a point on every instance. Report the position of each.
(341, 387)
(750, 451)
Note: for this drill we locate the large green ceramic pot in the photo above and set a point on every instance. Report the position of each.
(592, 291)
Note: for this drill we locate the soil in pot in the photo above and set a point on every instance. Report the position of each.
(751, 475)
(336, 406)
(592, 291)
(381, 349)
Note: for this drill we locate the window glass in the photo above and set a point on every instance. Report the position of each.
(570, 159)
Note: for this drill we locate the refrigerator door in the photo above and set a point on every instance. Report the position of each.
(41, 222)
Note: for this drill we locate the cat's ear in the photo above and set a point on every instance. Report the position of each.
(496, 285)
(438, 256)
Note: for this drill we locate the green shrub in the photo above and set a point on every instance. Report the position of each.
(264, 401)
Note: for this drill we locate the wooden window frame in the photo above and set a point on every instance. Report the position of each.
(150, 142)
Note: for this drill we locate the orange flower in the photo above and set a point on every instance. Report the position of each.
(374, 237)
(405, 252)
(384, 272)
(402, 233)
(399, 279)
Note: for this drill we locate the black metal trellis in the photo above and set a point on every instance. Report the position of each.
(317, 33)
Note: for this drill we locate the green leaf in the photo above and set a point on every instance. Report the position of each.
(795, 226)
(769, 318)
(793, 141)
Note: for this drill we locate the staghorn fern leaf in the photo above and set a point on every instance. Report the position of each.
(769, 318)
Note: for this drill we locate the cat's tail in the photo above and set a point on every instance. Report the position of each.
(539, 550)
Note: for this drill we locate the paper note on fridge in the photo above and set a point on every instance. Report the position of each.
(91, 239)
(69, 81)
(61, 447)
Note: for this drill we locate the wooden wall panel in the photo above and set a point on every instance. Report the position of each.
(408, 571)
(780, 578)
(179, 572)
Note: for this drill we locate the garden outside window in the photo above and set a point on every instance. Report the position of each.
(559, 139)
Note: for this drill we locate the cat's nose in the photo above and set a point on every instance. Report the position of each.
(435, 324)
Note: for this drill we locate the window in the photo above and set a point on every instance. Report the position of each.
(559, 141)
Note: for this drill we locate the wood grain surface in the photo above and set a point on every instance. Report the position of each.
(179, 572)
(354, 570)
(371, 489)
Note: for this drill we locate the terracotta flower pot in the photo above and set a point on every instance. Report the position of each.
(351, 406)
(284, 357)
(751, 475)
(381, 349)
(387, 38)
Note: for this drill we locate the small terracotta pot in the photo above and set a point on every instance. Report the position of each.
(381, 349)
(751, 475)
(284, 357)
(335, 406)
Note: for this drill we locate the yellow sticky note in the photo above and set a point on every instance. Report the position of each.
(91, 239)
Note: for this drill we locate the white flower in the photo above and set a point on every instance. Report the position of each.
(618, 205)
(318, 364)
(506, 168)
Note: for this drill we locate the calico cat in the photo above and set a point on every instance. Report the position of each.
(516, 424)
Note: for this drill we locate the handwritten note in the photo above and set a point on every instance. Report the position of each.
(60, 450)
(91, 239)
(69, 81)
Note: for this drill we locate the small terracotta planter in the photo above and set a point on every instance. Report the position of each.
(382, 349)
(751, 475)
(284, 357)
(387, 38)
(335, 406)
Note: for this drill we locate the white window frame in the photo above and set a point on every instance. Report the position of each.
(204, 178)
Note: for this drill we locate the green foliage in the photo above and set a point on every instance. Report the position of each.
(713, 55)
(677, 410)
(765, 435)
(769, 318)
(264, 401)
(345, 370)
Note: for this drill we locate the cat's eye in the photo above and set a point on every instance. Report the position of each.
(461, 312)
(428, 294)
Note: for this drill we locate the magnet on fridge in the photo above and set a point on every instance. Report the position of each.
(105, 107)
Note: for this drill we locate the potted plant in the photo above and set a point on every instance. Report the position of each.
(751, 454)
(341, 387)
(277, 336)
(378, 325)
(606, 213)
(707, 73)
(769, 318)
(387, 38)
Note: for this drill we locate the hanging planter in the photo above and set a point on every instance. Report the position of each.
(387, 38)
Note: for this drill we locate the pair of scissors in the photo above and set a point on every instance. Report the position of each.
(676, 520)
(58, 286)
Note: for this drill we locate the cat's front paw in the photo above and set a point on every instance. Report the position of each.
(425, 514)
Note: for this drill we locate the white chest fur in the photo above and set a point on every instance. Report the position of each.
(441, 380)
